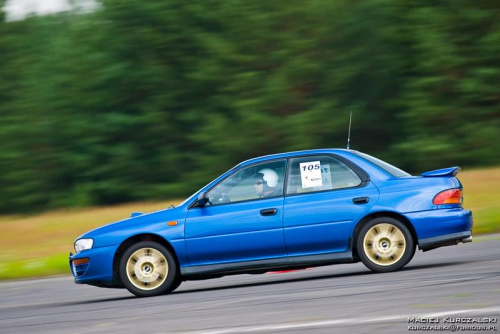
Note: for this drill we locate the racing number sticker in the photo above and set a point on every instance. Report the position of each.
(310, 174)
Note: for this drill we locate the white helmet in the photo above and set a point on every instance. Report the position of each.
(270, 176)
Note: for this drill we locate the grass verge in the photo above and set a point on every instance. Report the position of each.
(39, 245)
(481, 196)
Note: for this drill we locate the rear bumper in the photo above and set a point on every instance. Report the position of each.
(445, 240)
(442, 227)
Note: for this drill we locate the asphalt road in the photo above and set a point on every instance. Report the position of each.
(455, 282)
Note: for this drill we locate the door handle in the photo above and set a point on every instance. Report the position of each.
(268, 212)
(360, 200)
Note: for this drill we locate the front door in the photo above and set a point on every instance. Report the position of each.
(244, 219)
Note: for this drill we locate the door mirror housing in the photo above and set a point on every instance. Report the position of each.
(203, 199)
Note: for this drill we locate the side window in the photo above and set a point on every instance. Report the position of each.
(254, 182)
(318, 173)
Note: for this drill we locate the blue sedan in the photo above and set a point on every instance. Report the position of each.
(285, 211)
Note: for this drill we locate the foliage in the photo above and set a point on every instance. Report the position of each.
(152, 99)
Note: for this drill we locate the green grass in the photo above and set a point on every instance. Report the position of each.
(28, 268)
(481, 196)
(38, 245)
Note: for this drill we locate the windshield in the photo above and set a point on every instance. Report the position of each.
(188, 199)
(192, 196)
(394, 171)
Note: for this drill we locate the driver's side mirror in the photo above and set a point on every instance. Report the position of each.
(203, 199)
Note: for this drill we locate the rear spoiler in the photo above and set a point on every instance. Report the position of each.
(445, 172)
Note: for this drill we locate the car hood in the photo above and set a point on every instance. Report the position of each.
(152, 221)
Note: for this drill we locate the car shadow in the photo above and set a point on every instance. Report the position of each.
(285, 279)
(320, 277)
(437, 265)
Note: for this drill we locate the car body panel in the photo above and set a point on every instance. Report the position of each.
(322, 222)
(259, 266)
(308, 229)
(412, 194)
(235, 232)
(100, 266)
(155, 223)
(450, 171)
(433, 223)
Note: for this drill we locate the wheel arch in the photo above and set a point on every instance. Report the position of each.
(135, 239)
(379, 214)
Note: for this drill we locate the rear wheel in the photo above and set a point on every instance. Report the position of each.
(385, 244)
(148, 269)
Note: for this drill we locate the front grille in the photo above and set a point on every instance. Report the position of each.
(80, 270)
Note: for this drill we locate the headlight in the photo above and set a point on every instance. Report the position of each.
(83, 244)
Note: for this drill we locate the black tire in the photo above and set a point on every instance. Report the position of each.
(148, 269)
(385, 244)
(175, 285)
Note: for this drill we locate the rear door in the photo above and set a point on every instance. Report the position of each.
(325, 196)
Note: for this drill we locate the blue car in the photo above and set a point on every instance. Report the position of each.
(285, 211)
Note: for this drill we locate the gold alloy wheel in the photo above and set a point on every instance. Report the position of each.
(384, 244)
(147, 268)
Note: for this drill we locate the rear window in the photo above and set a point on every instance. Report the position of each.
(394, 171)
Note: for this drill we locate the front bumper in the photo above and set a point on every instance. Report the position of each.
(99, 267)
(442, 227)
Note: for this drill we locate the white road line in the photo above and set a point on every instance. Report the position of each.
(351, 321)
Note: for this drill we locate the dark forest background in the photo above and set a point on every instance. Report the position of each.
(152, 99)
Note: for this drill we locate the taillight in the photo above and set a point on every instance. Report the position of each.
(451, 196)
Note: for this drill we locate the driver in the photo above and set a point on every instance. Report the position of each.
(266, 181)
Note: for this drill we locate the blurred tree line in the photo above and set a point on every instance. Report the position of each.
(152, 99)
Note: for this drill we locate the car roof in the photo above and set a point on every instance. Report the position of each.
(292, 154)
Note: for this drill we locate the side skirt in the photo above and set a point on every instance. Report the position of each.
(261, 266)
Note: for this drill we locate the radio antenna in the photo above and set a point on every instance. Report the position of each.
(349, 133)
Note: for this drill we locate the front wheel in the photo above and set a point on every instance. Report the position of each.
(385, 244)
(147, 269)
(176, 283)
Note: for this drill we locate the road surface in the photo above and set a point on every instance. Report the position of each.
(452, 282)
